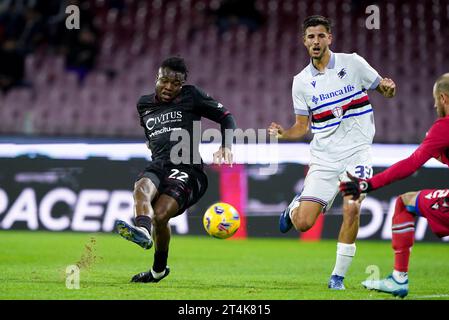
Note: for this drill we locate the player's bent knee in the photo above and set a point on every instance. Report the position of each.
(301, 224)
(160, 219)
(305, 215)
(408, 198)
(401, 212)
(303, 227)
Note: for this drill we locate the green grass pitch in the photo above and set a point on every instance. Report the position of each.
(33, 266)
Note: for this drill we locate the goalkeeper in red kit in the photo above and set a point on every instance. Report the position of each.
(432, 204)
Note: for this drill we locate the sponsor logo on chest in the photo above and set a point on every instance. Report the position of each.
(339, 92)
(173, 116)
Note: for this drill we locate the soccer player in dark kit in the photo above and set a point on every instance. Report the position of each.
(174, 180)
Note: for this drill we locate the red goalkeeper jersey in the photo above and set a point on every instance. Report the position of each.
(435, 145)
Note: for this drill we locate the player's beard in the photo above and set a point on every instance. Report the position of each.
(320, 56)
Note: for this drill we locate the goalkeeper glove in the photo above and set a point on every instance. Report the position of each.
(355, 187)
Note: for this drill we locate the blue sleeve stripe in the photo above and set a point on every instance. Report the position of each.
(375, 84)
(302, 112)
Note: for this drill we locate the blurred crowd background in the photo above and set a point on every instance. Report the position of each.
(85, 83)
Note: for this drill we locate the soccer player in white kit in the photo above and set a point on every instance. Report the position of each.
(330, 97)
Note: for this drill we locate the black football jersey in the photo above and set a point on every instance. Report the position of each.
(169, 126)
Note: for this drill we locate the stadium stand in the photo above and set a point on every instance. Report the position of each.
(250, 70)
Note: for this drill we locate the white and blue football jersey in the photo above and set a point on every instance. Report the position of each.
(337, 104)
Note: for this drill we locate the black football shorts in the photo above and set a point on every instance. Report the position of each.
(185, 183)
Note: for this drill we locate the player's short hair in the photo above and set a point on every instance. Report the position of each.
(177, 64)
(316, 20)
(442, 84)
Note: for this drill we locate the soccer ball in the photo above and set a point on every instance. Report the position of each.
(221, 220)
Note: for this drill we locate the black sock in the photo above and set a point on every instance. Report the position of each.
(160, 261)
(144, 221)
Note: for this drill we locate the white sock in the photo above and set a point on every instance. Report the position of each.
(157, 275)
(144, 230)
(295, 205)
(345, 253)
(400, 276)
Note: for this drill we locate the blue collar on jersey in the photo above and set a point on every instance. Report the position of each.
(330, 65)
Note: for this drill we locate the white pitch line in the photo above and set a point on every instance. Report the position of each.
(432, 296)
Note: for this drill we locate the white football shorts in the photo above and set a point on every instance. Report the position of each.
(323, 178)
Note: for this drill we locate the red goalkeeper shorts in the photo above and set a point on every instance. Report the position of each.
(433, 204)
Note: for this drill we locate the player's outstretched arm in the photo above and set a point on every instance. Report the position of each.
(297, 131)
(387, 88)
(398, 171)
